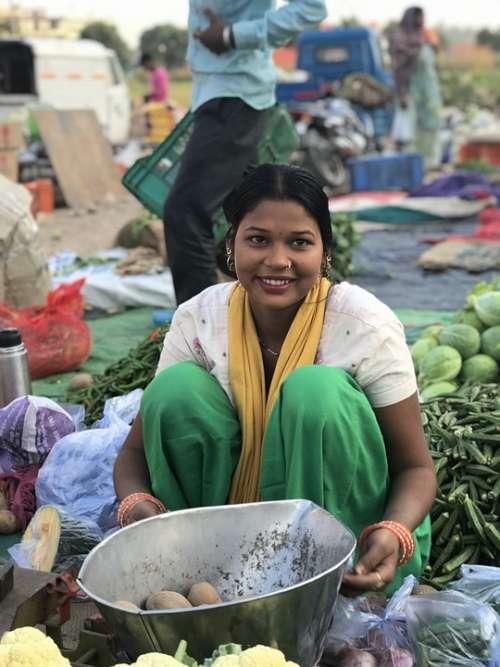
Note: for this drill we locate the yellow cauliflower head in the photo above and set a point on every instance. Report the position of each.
(262, 656)
(30, 655)
(29, 647)
(26, 635)
(227, 661)
(156, 660)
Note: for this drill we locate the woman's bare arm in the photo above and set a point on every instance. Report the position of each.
(412, 491)
(130, 474)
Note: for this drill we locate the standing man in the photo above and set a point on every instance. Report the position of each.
(158, 79)
(230, 53)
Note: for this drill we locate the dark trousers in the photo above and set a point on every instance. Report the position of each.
(224, 141)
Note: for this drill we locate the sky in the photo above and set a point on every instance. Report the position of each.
(133, 16)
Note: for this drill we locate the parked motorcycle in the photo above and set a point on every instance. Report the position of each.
(331, 132)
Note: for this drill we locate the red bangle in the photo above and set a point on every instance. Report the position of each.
(405, 538)
(129, 502)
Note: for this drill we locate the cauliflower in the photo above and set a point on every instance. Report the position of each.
(29, 647)
(262, 656)
(227, 661)
(25, 635)
(151, 660)
(156, 660)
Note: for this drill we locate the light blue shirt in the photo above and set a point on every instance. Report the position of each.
(259, 27)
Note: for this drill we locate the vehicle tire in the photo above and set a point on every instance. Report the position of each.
(318, 157)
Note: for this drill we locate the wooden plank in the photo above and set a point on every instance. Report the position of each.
(26, 603)
(81, 156)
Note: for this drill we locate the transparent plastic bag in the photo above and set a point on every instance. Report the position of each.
(450, 629)
(78, 473)
(481, 582)
(367, 625)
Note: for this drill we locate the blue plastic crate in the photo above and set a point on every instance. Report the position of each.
(386, 171)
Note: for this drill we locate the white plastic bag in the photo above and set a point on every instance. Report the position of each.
(78, 473)
(450, 629)
(481, 582)
(402, 126)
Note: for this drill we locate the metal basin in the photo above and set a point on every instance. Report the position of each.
(277, 567)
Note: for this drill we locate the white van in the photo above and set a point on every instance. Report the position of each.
(66, 74)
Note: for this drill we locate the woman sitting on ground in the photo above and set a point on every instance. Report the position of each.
(282, 385)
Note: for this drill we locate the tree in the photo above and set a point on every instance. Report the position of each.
(489, 38)
(165, 43)
(107, 34)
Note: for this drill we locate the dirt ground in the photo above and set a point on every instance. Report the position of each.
(86, 232)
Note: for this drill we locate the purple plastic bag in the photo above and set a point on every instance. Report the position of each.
(29, 427)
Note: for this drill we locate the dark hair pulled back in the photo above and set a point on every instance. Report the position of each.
(279, 182)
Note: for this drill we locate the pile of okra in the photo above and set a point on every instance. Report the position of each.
(135, 371)
(463, 433)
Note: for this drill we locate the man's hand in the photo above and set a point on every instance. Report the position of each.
(211, 37)
(376, 567)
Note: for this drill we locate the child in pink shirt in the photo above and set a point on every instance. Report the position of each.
(158, 79)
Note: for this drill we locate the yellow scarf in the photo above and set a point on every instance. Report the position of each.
(246, 376)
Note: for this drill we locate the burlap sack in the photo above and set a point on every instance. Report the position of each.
(24, 275)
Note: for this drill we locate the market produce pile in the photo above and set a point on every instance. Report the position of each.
(467, 350)
(200, 593)
(29, 646)
(463, 432)
(226, 655)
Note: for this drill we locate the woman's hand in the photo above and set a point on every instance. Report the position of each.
(376, 567)
(143, 510)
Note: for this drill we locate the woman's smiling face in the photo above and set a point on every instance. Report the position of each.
(278, 253)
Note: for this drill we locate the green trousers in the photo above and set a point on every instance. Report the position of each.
(322, 443)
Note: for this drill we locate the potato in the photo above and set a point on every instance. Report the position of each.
(80, 381)
(8, 522)
(167, 600)
(203, 593)
(4, 505)
(125, 604)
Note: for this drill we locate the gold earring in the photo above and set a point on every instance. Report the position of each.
(326, 267)
(229, 259)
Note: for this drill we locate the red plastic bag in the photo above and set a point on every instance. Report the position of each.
(55, 336)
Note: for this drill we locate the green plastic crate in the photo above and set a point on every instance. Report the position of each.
(150, 178)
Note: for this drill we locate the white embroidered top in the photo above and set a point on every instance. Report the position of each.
(360, 334)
